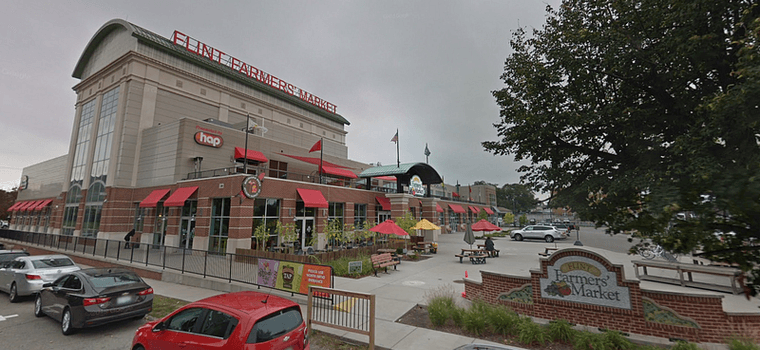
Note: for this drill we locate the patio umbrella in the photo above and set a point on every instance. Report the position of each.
(389, 227)
(424, 224)
(484, 225)
(469, 237)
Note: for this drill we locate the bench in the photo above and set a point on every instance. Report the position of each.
(475, 259)
(547, 251)
(383, 261)
(689, 269)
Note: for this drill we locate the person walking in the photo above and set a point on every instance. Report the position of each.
(128, 237)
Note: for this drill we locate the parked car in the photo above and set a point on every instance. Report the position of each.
(562, 227)
(241, 320)
(8, 255)
(92, 297)
(545, 232)
(25, 275)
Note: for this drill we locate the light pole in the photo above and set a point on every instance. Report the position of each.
(245, 151)
(577, 235)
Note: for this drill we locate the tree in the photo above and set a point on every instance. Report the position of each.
(482, 215)
(287, 232)
(261, 235)
(517, 197)
(509, 218)
(633, 112)
(6, 201)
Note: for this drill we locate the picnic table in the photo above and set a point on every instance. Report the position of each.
(491, 254)
(476, 256)
(423, 247)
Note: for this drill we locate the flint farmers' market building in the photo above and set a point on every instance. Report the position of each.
(159, 144)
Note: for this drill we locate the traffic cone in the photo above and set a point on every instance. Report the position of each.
(465, 274)
(464, 295)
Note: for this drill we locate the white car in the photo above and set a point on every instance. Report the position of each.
(25, 275)
(545, 232)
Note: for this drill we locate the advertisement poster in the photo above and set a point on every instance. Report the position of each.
(267, 272)
(314, 275)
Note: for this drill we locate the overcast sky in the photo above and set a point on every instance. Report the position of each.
(424, 67)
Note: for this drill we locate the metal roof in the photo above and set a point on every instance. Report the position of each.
(427, 174)
(159, 42)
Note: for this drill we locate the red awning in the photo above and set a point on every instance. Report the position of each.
(43, 204)
(339, 172)
(314, 161)
(252, 155)
(457, 208)
(178, 198)
(474, 210)
(438, 208)
(385, 202)
(312, 198)
(31, 206)
(454, 194)
(151, 201)
(15, 206)
(488, 210)
(386, 178)
(22, 205)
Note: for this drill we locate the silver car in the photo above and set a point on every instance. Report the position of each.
(25, 275)
(545, 232)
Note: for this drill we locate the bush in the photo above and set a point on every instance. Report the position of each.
(586, 340)
(738, 343)
(474, 319)
(457, 315)
(682, 345)
(340, 266)
(502, 320)
(531, 332)
(440, 310)
(616, 340)
(560, 330)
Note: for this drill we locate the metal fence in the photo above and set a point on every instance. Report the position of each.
(341, 309)
(231, 267)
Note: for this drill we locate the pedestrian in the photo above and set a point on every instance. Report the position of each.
(128, 237)
(489, 246)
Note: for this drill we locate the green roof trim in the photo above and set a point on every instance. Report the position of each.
(427, 174)
(159, 42)
(386, 170)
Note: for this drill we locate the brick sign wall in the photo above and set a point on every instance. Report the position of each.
(585, 288)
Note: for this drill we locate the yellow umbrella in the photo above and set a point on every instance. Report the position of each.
(425, 225)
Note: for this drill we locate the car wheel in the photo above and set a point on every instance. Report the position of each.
(139, 347)
(13, 294)
(66, 327)
(518, 237)
(549, 239)
(38, 306)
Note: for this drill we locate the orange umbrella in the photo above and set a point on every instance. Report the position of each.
(484, 225)
(389, 227)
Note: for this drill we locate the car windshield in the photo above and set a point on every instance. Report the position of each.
(52, 262)
(114, 279)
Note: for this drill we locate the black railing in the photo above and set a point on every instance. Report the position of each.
(231, 267)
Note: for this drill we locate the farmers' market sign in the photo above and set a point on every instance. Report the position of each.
(583, 280)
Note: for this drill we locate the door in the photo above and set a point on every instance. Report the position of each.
(186, 232)
(305, 231)
(159, 234)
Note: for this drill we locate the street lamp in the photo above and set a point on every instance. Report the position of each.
(245, 152)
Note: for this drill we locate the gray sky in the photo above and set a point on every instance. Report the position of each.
(424, 67)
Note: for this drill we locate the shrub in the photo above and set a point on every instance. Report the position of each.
(560, 330)
(440, 310)
(502, 320)
(682, 345)
(531, 332)
(457, 315)
(616, 340)
(586, 340)
(738, 343)
(340, 266)
(474, 321)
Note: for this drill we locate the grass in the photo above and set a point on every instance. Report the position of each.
(163, 306)
(329, 341)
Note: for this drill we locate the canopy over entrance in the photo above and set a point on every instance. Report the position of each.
(404, 173)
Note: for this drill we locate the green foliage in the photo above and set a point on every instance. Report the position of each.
(474, 321)
(349, 233)
(482, 215)
(333, 231)
(518, 197)
(531, 332)
(560, 330)
(457, 315)
(682, 345)
(631, 112)
(616, 340)
(502, 320)
(440, 309)
(586, 341)
(509, 219)
(287, 232)
(407, 222)
(261, 235)
(523, 220)
(739, 343)
(340, 266)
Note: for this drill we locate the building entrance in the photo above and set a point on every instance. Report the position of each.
(186, 232)
(305, 231)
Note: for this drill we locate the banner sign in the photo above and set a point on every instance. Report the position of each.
(415, 186)
(583, 280)
(292, 276)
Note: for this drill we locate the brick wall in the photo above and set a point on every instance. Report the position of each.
(692, 317)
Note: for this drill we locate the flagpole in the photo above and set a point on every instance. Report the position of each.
(245, 153)
(398, 158)
(321, 152)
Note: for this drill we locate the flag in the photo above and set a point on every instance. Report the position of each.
(395, 138)
(317, 146)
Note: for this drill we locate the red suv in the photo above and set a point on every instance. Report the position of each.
(242, 320)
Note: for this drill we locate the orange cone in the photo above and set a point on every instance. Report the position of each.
(464, 294)
(465, 274)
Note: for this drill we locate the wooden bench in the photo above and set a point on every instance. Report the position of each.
(547, 251)
(689, 269)
(475, 259)
(383, 261)
(491, 253)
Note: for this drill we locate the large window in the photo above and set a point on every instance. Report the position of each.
(104, 140)
(83, 142)
(360, 215)
(220, 225)
(96, 194)
(266, 212)
(139, 218)
(70, 210)
(335, 212)
(453, 220)
(278, 169)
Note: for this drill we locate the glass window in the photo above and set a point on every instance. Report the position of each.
(91, 220)
(302, 210)
(360, 215)
(220, 223)
(275, 325)
(52, 263)
(185, 320)
(139, 218)
(83, 142)
(218, 324)
(278, 169)
(73, 283)
(104, 139)
(266, 211)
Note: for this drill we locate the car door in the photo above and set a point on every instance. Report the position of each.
(178, 331)
(215, 331)
(530, 232)
(4, 272)
(8, 275)
(51, 304)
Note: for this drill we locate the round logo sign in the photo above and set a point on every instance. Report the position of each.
(251, 187)
(415, 186)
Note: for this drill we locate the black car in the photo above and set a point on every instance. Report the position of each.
(93, 297)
